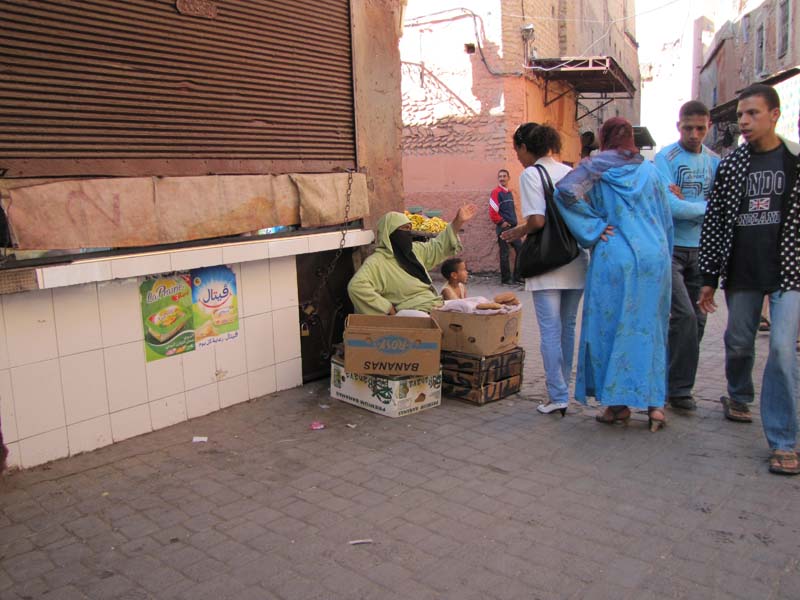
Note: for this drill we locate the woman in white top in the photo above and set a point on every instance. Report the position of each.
(557, 293)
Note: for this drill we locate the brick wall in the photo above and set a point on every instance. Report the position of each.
(460, 108)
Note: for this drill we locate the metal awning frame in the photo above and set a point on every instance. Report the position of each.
(591, 78)
(726, 112)
(596, 108)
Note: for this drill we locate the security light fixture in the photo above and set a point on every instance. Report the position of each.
(527, 32)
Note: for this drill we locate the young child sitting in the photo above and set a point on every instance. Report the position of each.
(454, 270)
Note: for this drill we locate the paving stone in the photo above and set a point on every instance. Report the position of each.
(160, 578)
(68, 592)
(28, 565)
(219, 588)
(205, 569)
(63, 576)
(5, 581)
(107, 585)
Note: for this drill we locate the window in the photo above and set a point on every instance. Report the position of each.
(746, 29)
(783, 27)
(760, 50)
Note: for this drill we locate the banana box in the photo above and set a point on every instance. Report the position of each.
(392, 396)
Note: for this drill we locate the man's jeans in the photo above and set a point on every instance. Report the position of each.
(505, 272)
(779, 383)
(686, 322)
(556, 312)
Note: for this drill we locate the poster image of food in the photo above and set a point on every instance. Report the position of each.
(215, 305)
(167, 316)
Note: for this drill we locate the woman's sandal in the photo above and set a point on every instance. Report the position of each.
(614, 414)
(656, 419)
(784, 462)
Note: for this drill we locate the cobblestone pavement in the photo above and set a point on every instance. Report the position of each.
(460, 502)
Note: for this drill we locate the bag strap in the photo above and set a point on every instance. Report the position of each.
(547, 183)
(551, 208)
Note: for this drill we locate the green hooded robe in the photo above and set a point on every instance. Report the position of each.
(381, 282)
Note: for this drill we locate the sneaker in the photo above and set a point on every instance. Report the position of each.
(683, 402)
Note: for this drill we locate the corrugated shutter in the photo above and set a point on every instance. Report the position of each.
(135, 87)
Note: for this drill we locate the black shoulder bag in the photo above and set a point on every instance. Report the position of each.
(553, 245)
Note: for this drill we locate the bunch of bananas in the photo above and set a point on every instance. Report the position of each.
(423, 223)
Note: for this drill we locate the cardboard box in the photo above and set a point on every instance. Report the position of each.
(476, 371)
(390, 396)
(491, 392)
(478, 335)
(381, 345)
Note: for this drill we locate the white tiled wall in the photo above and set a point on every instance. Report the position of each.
(254, 285)
(203, 400)
(283, 282)
(83, 382)
(199, 369)
(38, 400)
(77, 326)
(233, 391)
(73, 375)
(126, 376)
(30, 327)
(120, 311)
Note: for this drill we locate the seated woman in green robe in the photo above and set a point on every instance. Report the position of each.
(395, 277)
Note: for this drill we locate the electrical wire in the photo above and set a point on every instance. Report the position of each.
(633, 16)
(464, 13)
(424, 19)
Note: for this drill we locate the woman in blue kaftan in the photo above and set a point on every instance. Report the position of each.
(616, 204)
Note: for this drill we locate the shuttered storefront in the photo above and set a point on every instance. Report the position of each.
(175, 87)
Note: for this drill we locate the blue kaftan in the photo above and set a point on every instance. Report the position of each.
(622, 357)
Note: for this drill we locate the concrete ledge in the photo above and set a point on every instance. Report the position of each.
(137, 265)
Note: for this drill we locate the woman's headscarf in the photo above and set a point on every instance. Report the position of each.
(403, 248)
(616, 150)
(399, 243)
(617, 134)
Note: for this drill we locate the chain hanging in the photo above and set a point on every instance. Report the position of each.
(328, 270)
(311, 316)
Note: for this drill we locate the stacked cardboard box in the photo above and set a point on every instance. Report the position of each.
(392, 396)
(391, 365)
(481, 361)
(482, 379)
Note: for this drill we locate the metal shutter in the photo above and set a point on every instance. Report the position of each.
(136, 87)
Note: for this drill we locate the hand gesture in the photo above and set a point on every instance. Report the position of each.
(464, 214)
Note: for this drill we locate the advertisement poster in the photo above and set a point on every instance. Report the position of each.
(184, 311)
(215, 306)
(167, 316)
